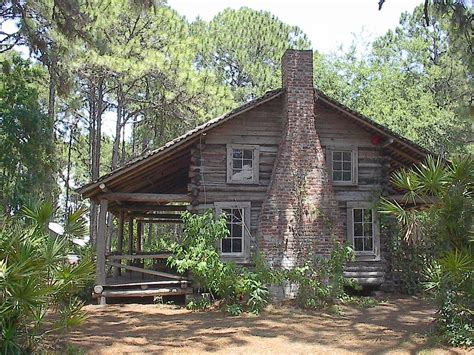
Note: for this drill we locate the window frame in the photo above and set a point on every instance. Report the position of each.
(246, 206)
(364, 255)
(255, 163)
(330, 150)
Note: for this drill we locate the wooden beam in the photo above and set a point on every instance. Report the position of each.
(146, 208)
(156, 215)
(177, 221)
(117, 271)
(100, 243)
(139, 256)
(145, 197)
(145, 271)
(171, 291)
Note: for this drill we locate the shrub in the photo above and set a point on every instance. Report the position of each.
(320, 280)
(197, 253)
(36, 278)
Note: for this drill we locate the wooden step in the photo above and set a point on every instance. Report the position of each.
(363, 281)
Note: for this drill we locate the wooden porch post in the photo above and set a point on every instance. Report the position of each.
(117, 270)
(130, 241)
(139, 236)
(100, 246)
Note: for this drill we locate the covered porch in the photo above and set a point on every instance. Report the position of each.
(130, 263)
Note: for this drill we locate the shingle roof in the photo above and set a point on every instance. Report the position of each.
(190, 135)
(185, 137)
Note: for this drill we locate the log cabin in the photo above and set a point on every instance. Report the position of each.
(294, 171)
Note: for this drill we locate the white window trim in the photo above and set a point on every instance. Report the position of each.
(355, 164)
(244, 256)
(255, 164)
(363, 255)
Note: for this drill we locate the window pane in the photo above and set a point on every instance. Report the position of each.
(368, 229)
(346, 176)
(358, 229)
(358, 244)
(337, 176)
(237, 215)
(237, 164)
(347, 166)
(347, 156)
(236, 231)
(337, 165)
(248, 154)
(357, 215)
(368, 215)
(226, 245)
(368, 244)
(336, 155)
(236, 245)
(237, 153)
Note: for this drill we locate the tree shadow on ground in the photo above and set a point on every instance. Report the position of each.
(398, 325)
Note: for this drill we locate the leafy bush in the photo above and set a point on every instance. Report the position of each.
(320, 280)
(234, 309)
(36, 279)
(197, 253)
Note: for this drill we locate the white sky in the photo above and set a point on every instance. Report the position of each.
(328, 23)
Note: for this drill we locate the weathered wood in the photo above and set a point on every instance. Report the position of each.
(145, 197)
(130, 235)
(139, 236)
(147, 293)
(145, 271)
(139, 256)
(156, 215)
(117, 271)
(181, 283)
(100, 243)
(146, 208)
(174, 221)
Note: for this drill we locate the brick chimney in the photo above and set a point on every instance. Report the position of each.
(300, 216)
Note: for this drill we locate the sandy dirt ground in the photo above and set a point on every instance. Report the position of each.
(397, 326)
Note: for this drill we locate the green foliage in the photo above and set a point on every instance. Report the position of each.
(244, 48)
(37, 281)
(200, 304)
(446, 226)
(197, 253)
(233, 309)
(320, 280)
(26, 135)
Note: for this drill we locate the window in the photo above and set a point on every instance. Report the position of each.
(363, 230)
(342, 165)
(235, 223)
(242, 164)
(238, 220)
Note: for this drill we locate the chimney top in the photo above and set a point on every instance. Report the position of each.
(297, 69)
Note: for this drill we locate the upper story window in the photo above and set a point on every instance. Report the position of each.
(242, 164)
(343, 165)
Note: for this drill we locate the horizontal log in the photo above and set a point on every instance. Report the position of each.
(146, 293)
(139, 256)
(145, 271)
(144, 220)
(144, 197)
(182, 283)
(145, 208)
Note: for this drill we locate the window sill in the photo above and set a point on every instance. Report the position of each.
(243, 182)
(239, 259)
(343, 183)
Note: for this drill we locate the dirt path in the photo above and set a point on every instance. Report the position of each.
(396, 326)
